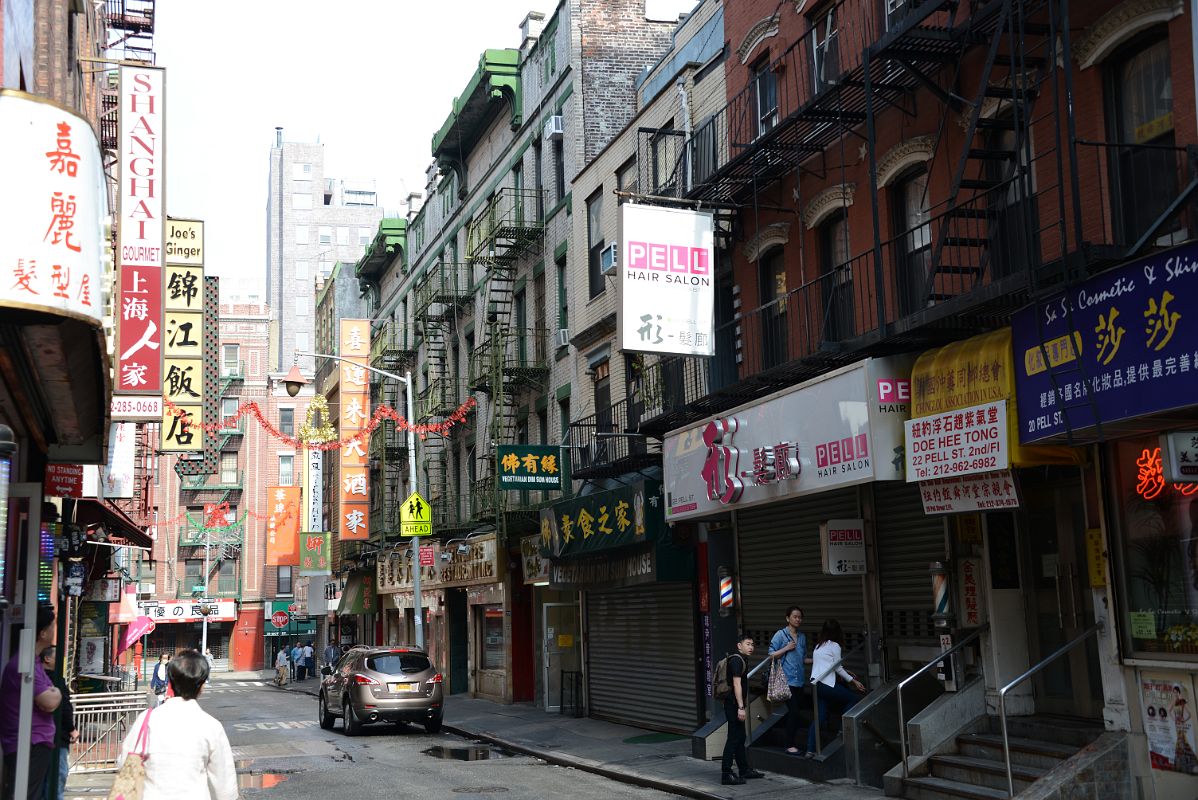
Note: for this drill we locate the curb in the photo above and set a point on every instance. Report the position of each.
(586, 766)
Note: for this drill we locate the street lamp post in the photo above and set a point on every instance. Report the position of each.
(295, 380)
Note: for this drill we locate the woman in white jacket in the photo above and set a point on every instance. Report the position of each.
(828, 650)
(187, 754)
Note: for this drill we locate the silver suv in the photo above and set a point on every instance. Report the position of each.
(381, 684)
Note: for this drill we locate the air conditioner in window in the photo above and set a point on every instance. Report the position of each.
(607, 259)
(554, 128)
(563, 337)
(145, 588)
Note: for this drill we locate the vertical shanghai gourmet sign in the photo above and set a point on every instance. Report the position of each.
(183, 334)
(667, 280)
(354, 508)
(52, 253)
(140, 232)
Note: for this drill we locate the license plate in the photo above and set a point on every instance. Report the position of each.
(404, 687)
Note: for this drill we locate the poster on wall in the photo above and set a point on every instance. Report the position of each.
(91, 655)
(1167, 704)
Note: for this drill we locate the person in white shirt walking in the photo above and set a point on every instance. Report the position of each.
(828, 649)
(309, 661)
(281, 667)
(187, 752)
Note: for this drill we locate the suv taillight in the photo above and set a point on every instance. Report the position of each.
(364, 680)
(435, 679)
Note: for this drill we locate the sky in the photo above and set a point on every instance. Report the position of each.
(370, 79)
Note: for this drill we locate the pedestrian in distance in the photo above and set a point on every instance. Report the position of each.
(158, 679)
(297, 662)
(282, 668)
(309, 661)
(790, 645)
(828, 650)
(736, 703)
(186, 751)
(46, 700)
(65, 732)
(332, 654)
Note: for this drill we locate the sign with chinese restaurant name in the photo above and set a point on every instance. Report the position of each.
(536, 568)
(842, 546)
(188, 610)
(615, 518)
(183, 339)
(529, 466)
(840, 429)
(415, 516)
(140, 230)
(359, 596)
(282, 525)
(353, 509)
(667, 280)
(1135, 332)
(52, 253)
(961, 442)
(988, 491)
(316, 553)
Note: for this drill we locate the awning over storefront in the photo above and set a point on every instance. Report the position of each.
(974, 372)
(116, 522)
(358, 597)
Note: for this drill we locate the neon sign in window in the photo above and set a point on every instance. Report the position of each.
(1150, 476)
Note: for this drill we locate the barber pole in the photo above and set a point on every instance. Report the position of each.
(725, 592)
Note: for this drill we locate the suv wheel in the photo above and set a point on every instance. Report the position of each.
(433, 725)
(326, 719)
(353, 726)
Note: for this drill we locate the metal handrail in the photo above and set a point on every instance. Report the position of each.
(1097, 627)
(819, 747)
(902, 722)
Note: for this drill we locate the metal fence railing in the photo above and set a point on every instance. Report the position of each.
(103, 721)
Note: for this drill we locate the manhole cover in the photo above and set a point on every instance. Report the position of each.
(480, 789)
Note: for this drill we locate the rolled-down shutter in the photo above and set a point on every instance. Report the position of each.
(641, 656)
(908, 540)
(780, 566)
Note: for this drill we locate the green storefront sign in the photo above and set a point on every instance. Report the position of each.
(529, 466)
(315, 553)
(282, 620)
(616, 518)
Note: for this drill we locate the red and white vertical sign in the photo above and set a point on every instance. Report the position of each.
(142, 148)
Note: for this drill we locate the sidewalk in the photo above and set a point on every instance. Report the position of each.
(618, 752)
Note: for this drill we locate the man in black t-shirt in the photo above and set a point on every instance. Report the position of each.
(735, 704)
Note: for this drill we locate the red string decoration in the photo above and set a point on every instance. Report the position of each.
(380, 413)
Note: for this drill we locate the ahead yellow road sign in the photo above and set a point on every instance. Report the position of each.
(415, 517)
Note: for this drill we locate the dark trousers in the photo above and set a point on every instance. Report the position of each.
(734, 745)
(797, 695)
(40, 756)
(840, 697)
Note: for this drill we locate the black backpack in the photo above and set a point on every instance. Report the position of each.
(721, 686)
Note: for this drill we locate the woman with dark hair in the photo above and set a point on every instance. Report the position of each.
(825, 668)
(187, 753)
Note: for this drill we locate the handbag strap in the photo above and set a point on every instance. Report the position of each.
(143, 736)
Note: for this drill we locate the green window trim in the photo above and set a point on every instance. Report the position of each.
(562, 393)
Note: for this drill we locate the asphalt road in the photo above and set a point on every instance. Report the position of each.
(282, 752)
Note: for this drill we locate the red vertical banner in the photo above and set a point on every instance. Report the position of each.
(354, 493)
(282, 526)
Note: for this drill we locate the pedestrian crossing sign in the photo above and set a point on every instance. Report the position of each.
(415, 517)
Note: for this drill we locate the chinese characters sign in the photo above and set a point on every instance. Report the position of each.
(988, 491)
(536, 568)
(314, 499)
(282, 525)
(1136, 334)
(52, 254)
(183, 346)
(962, 442)
(970, 578)
(188, 611)
(667, 280)
(315, 554)
(354, 507)
(839, 429)
(140, 230)
(601, 521)
(529, 466)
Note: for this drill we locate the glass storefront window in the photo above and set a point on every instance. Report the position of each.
(492, 636)
(1158, 522)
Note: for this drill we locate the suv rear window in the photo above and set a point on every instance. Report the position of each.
(398, 663)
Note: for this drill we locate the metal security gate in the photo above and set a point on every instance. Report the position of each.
(641, 657)
(908, 540)
(103, 720)
(778, 547)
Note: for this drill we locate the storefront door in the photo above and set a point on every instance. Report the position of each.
(1059, 602)
(560, 648)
